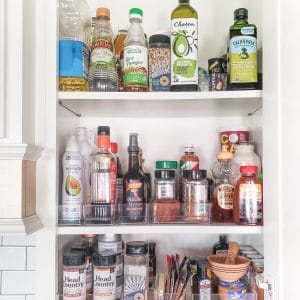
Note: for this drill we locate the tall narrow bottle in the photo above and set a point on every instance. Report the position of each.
(184, 48)
(103, 73)
(134, 190)
(147, 176)
(103, 178)
(135, 55)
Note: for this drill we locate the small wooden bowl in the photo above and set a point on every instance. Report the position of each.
(226, 272)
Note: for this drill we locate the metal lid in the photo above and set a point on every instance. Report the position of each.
(166, 164)
(105, 258)
(108, 238)
(73, 259)
(159, 39)
(136, 248)
(195, 174)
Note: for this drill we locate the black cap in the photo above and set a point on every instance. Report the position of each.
(184, 1)
(103, 130)
(73, 259)
(133, 143)
(159, 39)
(241, 13)
(195, 174)
(105, 258)
(136, 248)
(165, 174)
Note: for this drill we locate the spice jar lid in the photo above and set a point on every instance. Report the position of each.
(166, 164)
(165, 174)
(159, 39)
(73, 258)
(136, 248)
(105, 258)
(248, 169)
(107, 238)
(195, 174)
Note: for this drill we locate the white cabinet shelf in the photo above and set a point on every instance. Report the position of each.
(162, 104)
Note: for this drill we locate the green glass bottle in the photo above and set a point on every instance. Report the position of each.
(242, 53)
(184, 48)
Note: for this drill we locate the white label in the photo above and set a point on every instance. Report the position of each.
(165, 191)
(184, 51)
(115, 247)
(135, 282)
(74, 284)
(104, 283)
(71, 212)
(247, 30)
(205, 289)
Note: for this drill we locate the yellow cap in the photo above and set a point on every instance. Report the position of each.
(103, 12)
(224, 154)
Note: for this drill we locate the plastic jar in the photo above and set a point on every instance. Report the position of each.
(159, 62)
(114, 243)
(105, 279)
(195, 196)
(232, 290)
(74, 276)
(136, 276)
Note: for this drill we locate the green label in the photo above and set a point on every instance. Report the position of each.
(243, 59)
(184, 67)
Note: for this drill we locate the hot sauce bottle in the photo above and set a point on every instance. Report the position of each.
(248, 198)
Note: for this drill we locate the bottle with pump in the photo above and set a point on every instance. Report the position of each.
(135, 55)
(184, 48)
(103, 73)
(73, 51)
(103, 179)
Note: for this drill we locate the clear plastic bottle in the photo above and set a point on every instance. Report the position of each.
(103, 73)
(73, 52)
(135, 55)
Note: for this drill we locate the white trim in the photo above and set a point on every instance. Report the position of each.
(27, 225)
(20, 151)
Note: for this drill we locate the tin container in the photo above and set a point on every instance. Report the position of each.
(229, 138)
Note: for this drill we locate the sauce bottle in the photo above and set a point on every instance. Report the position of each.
(248, 198)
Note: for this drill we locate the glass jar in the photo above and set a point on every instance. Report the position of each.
(74, 271)
(105, 279)
(165, 205)
(136, 276)
(195, 196)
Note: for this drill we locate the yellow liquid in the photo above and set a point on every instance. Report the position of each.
(73, 84)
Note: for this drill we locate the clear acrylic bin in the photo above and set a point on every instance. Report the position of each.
(133, 214)
(100, 214)
(70, 214)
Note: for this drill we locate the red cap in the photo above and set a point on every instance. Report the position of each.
(248, 169)
(114, 147)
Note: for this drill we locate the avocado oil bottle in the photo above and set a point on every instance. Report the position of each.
(184, 48)
(242, 53)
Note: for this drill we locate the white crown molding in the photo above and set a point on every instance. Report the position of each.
(27, 225)
(20, 151)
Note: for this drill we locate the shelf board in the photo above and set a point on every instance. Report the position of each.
(162, 104)
(161, 229)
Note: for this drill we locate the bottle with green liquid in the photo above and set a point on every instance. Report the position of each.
(184, 48)
(242, 52)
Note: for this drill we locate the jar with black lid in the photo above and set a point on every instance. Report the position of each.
(159, 62)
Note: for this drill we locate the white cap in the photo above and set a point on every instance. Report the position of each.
(72, 144)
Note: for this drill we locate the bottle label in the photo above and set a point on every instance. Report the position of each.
(250, 201)
(225, 194)
(135, 283)
(189, 165)
(198, 194)
(102, 55)
(205, 289)
(73, 59)
(134, 199)
(184, 51)
(74, 284)
(104, 283)
(136, 66)
(89, 275)
(113, 181)
(243, 59)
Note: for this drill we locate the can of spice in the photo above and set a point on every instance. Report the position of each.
(105, 279)
(159, 62)
(217, 75)
(229, 138)
(74, 276)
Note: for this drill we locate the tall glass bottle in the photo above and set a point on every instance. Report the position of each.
(135, 54)
(242, 52)
(147, 175)
(103, 73)
(103, 178)
(134, 185)
(73, 52)
(184, 48)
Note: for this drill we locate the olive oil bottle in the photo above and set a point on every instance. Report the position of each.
(184, 48)
(242, 53)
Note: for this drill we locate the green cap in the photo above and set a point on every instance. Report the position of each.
(135, 11)
(166, 164)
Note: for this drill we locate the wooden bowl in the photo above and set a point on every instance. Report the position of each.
(225, 272)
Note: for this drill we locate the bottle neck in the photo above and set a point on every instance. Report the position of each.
(134, 160)
(241, 20)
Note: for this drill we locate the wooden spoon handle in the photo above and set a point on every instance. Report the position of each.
(233, 251)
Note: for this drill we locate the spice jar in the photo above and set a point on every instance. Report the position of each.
(159, 62)
(217, 75)
(136, 276)
(165, 205)
(232, 290)
(74, 276)
(195, 196)
(105, 279)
